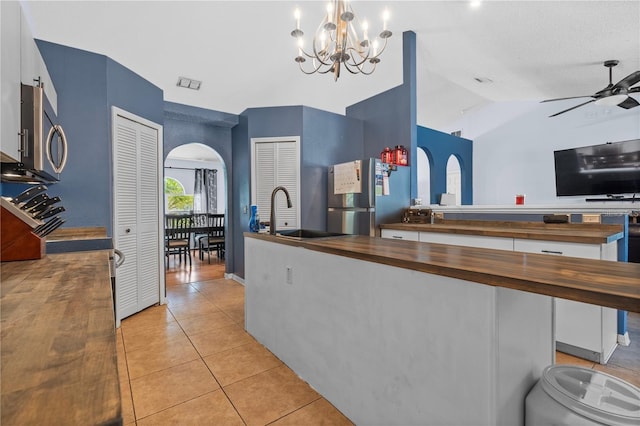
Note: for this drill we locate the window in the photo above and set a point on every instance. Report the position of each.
(177, 200)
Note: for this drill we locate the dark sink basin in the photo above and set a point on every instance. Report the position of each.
(307, 233)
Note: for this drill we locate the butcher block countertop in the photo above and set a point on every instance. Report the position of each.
(600, 282)
(58, 356)
(585, 233)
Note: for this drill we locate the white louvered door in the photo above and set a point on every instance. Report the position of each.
(136, 213)
(276, 162)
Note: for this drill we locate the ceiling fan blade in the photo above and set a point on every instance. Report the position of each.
(628, 103)
(634, 89)
(569, 109)
(628, 81)
(570, 97)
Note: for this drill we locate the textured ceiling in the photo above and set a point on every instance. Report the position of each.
(243, 53)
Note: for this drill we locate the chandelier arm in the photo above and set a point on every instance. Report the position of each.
(352, 57)
(382, 49)
(315, 69)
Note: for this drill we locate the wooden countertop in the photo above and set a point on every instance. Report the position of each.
(604, 283)
(566, 232)
(58, 356)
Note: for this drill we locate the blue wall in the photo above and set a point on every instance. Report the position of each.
(440, 146)
(387, 119)
(186, 124)
(88, 85)
(325, 139)
(390, 117)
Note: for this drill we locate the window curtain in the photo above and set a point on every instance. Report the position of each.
(205, 194)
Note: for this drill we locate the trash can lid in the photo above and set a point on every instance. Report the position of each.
(593, 394)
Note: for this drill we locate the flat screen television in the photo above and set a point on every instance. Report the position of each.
(608, 169)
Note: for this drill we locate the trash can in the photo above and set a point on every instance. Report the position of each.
(570, 395)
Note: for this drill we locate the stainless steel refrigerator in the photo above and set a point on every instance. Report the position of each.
(355, 200)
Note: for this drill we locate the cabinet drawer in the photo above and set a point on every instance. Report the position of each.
(497, 243)
(587, 251)
(400, 235)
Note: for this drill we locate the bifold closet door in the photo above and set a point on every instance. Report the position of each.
(136, 215)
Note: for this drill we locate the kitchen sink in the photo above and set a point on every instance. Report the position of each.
(307, 233)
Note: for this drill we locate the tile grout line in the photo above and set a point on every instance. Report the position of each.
(126, 362)
(210, 372)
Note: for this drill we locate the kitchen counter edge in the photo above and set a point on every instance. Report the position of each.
(599, 282)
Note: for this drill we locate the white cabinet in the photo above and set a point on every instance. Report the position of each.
(21, 62)
(498, 243)
(395, 234)
(10, 82)
(32, 66)
(585, 330)
(586, 251)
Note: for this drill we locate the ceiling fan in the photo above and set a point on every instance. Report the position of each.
(613, 94)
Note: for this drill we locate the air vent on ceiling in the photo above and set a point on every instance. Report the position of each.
(189, 83)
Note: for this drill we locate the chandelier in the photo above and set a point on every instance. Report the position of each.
(336, 43)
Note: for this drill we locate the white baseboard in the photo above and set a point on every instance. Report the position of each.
(234, 277)
(623, 339)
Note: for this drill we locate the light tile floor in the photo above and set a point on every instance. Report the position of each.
(191, 362)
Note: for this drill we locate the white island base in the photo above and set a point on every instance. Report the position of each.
(393, 346)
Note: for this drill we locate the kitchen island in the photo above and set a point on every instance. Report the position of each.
(58, 341)
(402, 332)
(584, 330)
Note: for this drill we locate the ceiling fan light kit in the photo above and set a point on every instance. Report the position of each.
(336, 43)
(612, 95)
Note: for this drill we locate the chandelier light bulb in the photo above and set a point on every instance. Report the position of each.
(297, 16)
(365, 27)
(385, 18)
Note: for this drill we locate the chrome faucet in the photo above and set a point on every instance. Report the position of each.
(272, 218)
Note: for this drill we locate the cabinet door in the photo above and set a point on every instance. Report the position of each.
(586, 251)
(32, 66)
(276, 163)
(498, 243)
(396, 234)
(10, 82)
(582, 325)
(136, 214)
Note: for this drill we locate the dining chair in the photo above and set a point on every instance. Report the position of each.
(178, 236)
(214, 240)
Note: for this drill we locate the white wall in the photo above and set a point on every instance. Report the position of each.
(513, 146)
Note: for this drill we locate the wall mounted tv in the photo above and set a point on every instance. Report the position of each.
(608, 169)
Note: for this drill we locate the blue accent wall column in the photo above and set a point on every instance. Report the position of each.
(390, 117)
(440, 146)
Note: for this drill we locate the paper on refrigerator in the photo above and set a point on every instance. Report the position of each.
(347, 177)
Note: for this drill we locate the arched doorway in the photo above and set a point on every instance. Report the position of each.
(454, 178)
(195, 184)
(423, 176)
